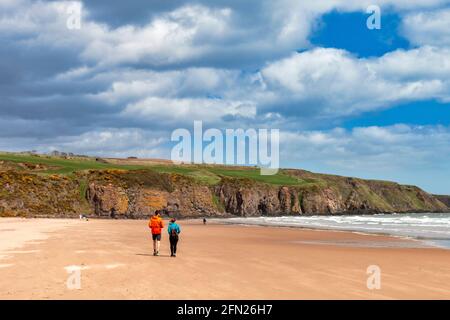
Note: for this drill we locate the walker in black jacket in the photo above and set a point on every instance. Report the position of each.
(174, 230)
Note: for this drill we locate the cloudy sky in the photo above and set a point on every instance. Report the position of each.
(348, 100)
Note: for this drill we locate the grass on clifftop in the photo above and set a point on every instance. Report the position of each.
(63, 166)
(211, 175)
(205, 174)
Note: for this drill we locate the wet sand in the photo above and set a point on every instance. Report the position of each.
(215, 261)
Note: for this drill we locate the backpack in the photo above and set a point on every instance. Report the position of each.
(173, 232)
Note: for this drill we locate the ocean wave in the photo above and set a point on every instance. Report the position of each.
(430, 226)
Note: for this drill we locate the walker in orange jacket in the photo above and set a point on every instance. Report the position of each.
(156, 224)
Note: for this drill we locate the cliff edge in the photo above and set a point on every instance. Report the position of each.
(42, 186)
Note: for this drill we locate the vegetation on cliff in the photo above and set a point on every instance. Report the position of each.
(37, 185)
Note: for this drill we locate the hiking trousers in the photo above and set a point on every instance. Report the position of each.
(173, 244)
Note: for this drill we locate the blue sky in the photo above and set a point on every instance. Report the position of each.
(348, 100)
(343, 30)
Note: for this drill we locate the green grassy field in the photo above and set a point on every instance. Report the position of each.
(63, 166)
(211, 175)
(206, 174)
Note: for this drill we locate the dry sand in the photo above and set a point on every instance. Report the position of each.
(214, 262)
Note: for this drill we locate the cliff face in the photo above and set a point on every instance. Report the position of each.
(444, 199)
(247, 199)
(24, 194)
(138, 193)
(350, 196)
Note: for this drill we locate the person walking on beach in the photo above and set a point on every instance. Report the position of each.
(204, 220)
(156, 224)
(173, 230)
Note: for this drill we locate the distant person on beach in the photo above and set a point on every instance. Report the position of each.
(173, 230)
(156, 224)
(204, 220)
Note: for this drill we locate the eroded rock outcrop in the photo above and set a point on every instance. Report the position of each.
(138, 193)
(108, 200)
(248, 200)
(173, 194)
(339, 195)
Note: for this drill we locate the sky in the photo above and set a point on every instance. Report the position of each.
(348, 100)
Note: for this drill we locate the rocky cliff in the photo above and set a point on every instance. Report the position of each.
(333, 195)
(137, 193)
(27, 194)
(444, 199)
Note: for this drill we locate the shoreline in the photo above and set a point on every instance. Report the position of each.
(324, 229)
(229, 215)
(406, 239)
(427, 242)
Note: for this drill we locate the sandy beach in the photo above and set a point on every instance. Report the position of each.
(215, 261)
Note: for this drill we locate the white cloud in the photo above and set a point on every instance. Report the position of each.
(189, 34)
(193, 82)
(409, 154)
(113, 142)
(184, 111)
(424, 63)
(313, 85)
(167, 40)
(192, 33)
(316, 84)
(334, 83)
(428, 27)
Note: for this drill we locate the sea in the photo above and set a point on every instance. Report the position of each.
(431, 229)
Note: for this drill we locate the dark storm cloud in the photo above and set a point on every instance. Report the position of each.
(21, 62)
(136, 12)
(44, 87)
(22, 128)
(75, 109)
(140, 12)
